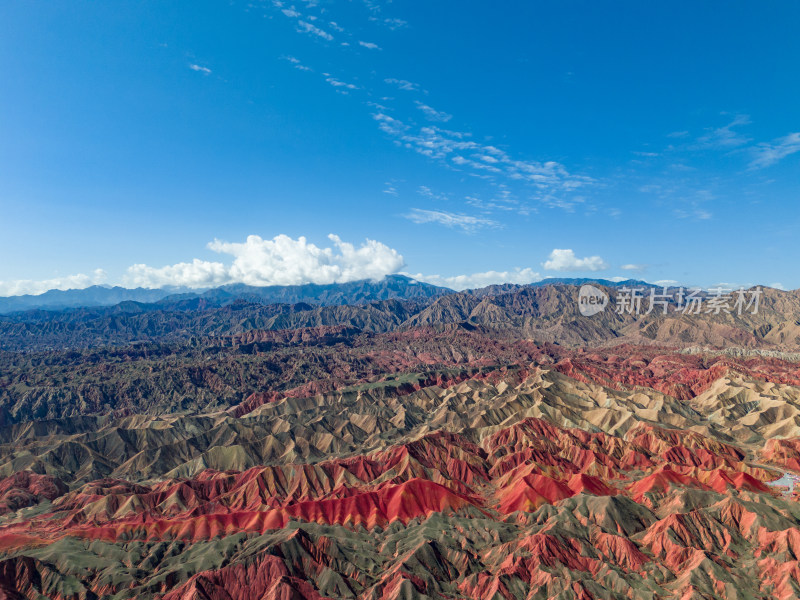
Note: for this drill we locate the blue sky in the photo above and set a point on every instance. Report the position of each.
(199, 143)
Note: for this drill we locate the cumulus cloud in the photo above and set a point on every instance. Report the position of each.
(478, 280)
(34, 287)
(467, 223)
(565, 260)
(279, 261)
(767, 154)
(198, 273)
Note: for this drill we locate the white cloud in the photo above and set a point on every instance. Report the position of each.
(432, 114)
(403, 84)
(484, 161)
(369, 45)
(633, 267)
(395, 23)
(306, 27)
(478, 280)
(557, 200)
(341, 84)
(70, 282)
(467, 223)
(767, 154)
(693, 212)
(565, 260)
(297, 64)
(198, 273)
(199, 69)
(279, 261)
(725, 137)
(666, 282)
(427, 192)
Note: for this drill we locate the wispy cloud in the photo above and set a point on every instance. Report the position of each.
(306, 27)
(303, 24)
(501, 200)
(565, 260)
(427, 192)
(394, 23)
(403, 84)
(432, 114)
(199, 69)
(725, 137)
(297, 64)
(369, 45)
(766, 154)
(340, 84)
(554, 199)
(457, 150)
(693, 211)
(466, 223)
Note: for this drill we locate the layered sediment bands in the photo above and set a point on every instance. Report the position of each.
(395, 450)
(515, 483)
(288, 428)
(210, 374)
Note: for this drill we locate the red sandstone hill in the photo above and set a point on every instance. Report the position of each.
(485, 445)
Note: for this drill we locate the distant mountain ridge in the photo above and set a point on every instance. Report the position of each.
(541, 314)
(96, 295)
(362, 291)
(355, 292)
(391, 287)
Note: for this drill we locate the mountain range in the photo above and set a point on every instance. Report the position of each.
(393, 440)
(542, 313)
(356, 292)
